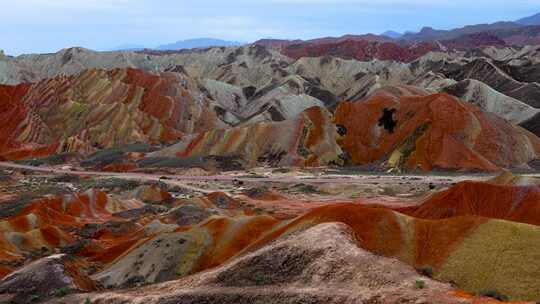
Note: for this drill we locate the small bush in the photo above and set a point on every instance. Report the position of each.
(87, 301)
(114, 155)
(171, 162)
(426, 271)
(259, 279)
(34, 298)
(61, 292)
(110, 184)
(52, 160)
(103, 158)
(420, 284)
(13, 207)
(492, 293)
(65, 178)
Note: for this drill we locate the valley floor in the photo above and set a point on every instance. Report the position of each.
(318, 235)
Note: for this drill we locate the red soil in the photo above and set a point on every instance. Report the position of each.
(32, 110)
(123, 167)
(514, 203)
(379, 230)
(362, 50)
(436, 131)
(231, 238)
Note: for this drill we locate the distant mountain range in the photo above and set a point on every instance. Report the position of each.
(128, 47)
(197, 43)
(392, 34)
(532, 20)
(522, 31)
(428, 33)
(180, 45)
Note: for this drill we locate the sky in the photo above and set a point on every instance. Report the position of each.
(40, 26)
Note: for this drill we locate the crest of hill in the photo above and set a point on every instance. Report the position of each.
(531, 20)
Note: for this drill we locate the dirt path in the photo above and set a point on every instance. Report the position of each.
(171, 180)
(351, 179)
(180, 180)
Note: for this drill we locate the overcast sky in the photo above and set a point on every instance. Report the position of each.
(49, 25)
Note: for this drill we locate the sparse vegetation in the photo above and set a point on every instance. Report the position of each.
(113, 155)
(170, 162)
(258, 278)
(66, 178)
(305, 188)
(256, 191)
(13, 207)
(4, 175)
(61, 292)
(426, 271)
(109, 184)
(420, 284)
(52, 160)
(492, 293)
(87, 301)
(34, 298)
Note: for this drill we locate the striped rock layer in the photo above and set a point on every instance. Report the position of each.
(432, 132)
(308, 139)
(479, 235)
(98, 108)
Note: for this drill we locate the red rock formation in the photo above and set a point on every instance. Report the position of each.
(307, 140)
(42, 223)
(475, 40)
(362, 50)
(98, 108)
(514, 203)
(432, 132)
(285, 43)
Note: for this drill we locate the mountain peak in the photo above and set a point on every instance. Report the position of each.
(392, 34)
(531, 20)
(427, 29)
(197, 43)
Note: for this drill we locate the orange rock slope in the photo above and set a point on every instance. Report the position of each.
(456, 235)
(306, 140)
(42, 225)
(432, 132)
(514, 203)
(97, 109)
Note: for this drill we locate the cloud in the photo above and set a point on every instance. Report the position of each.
(48, 25)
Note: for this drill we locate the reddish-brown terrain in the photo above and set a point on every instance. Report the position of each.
(363, 50)
(357, 169)
(97, 109)
(145, 236)
(431, 132)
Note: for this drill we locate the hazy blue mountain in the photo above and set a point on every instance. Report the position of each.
(428, 33)
(129, 47)
(392, 34)
(197, 43)
(531, 20)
